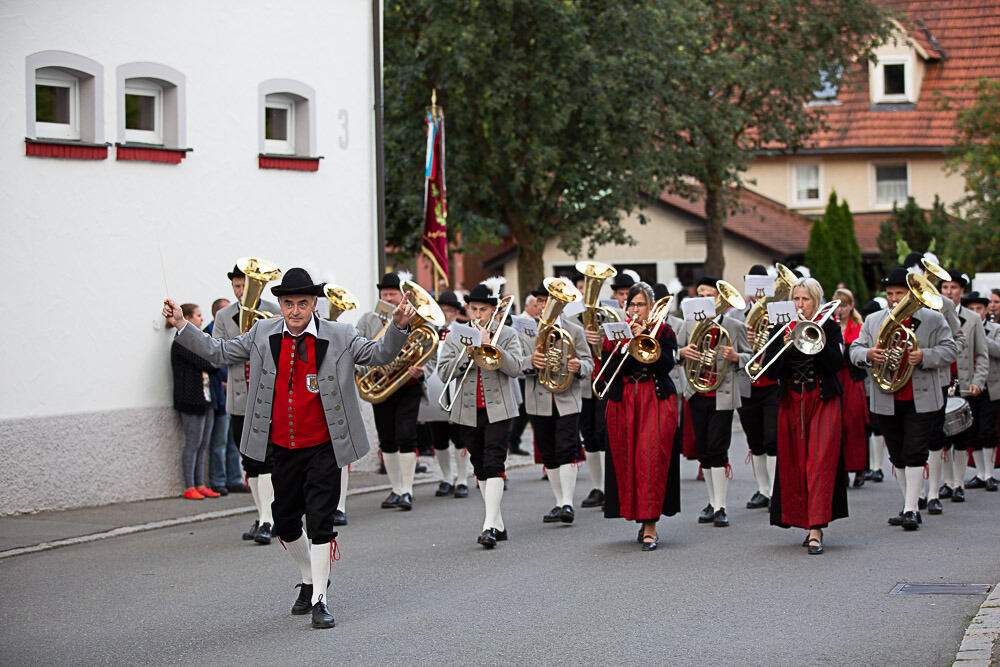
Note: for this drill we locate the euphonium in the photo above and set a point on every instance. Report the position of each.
(340, 300)
(595, 273)
(708, 336)
(381, 382)
(554, 342)
(757, 321)
(258, 273)
(897, 340)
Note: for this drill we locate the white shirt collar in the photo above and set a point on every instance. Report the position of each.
(310, 328)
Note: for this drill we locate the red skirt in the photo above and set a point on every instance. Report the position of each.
(641, 439)
(810, 488)
(854, 420)
(689, 449)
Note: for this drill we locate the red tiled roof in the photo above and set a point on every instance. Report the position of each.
(866, 226)
(760, 220)
(967, 33)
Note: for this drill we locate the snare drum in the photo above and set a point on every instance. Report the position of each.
(957, 416)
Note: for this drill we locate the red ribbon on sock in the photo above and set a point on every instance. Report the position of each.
(729, 472)
(334, 551)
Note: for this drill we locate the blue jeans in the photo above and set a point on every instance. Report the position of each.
(224, 461)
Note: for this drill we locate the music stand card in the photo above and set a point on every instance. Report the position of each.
(613, 305)
(758, 287)
(525, 325)
(616, 331)
(384, 309)
(574, 308)
(466, 335)
(698, 308)
(781, 312)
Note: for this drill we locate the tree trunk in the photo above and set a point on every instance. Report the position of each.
(715, 218)
(530, 265)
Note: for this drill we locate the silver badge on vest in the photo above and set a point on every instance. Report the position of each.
(312, 384)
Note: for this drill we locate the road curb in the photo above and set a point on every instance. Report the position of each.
(982, 634)
(194, 518)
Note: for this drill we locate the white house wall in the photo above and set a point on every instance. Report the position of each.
(86, 401)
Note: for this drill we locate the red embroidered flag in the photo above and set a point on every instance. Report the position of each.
(435, 238)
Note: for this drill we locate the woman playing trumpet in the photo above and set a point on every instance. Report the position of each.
(642, 478)
(810, 488)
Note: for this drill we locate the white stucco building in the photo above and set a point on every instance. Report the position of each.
(196, 132)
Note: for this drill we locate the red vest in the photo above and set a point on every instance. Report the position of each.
(297, 417)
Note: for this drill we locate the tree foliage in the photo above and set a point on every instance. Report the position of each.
(910, 228)
(833, 255)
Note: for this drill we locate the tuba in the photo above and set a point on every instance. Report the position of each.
(381, 382)
(708, 336)
(340, 300)
(258, 273)
(757, 321)
(554, 342)
(595, 273)
(896, 339)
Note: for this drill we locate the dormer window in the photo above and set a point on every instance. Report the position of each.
(892, 80)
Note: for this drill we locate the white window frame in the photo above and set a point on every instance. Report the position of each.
(818, 200)
(279, 146)
(887, 205)
(71, 130)
(147, 89)
(878, 80)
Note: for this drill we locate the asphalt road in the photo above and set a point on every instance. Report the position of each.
(416, 588)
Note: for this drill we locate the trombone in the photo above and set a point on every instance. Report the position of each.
(644, 348)
(487, 356)
(807, 337)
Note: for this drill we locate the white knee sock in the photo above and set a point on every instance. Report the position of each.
(344, 476)
(255, 493)
(761, 474)
(935, 465)
(772, 466)
(914, 478)
(876, 453)
(319, 557)
(710, 485)
(299, 551)
(901, 478)
(595, 466)
(555, 481)
(461, 467)
(978, 459)
(988, 454)
(266, 497)
(958, 458)
(720, 482)
(492, 495)
(407, 466)
(567, 473)
(481, 483)
(444, 460)
(392, 470)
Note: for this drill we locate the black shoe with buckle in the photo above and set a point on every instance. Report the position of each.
(720, 520)
(419, 468)
(958, 495)
(896, 520)
(911, 520)
(405, 502)
(921, 503)
(391, 500)
(975, 483)
(991, 484)
(321, 617)
(934, 506)
(263, 535)
(303, 603)
(499, 535)
(944, 492)
(566, 514)
(339, 518)
(878, 476)
(553, 516)
(815, 545)
(649, 542)
(445, 489)
(461, 491)
(707, 515)
(487, 539)
(594, 499)
(859, 481)
(758, 501)
(253, 531)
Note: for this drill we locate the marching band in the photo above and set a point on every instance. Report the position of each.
(625, 390)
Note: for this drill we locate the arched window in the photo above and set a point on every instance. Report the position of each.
(286, 138)
(151, 102)
(65, 97)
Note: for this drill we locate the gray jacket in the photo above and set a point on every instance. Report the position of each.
(727, 396)
(939, 348)
(993, 347)
(948, 310)
(227, 327)
(537, 399)
(338, 349)
(973, 358)
(500, 403)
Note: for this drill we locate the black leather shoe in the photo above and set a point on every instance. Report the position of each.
(253, 531)
(958, 495)
(720, 520)
(321, 617)
(639, 538)
(221, 490)
(991, 484)
(594, 499)
(859, 481)
(263, 535)
(896, 520)
(934, 506)
(461, 491)
(303, 603)
(975, 483)
(649, 542)
(921, 503)
(391, 500)
(878, 476)
(944, 492)
(758, 501)
(868, 475)
(445, 489)
(566, 514)
(553, 516)
(518, 451)
(499, 535)
(911, 520)
(707, 515)
(815, 546)
(487, 539)
(238, 488)
(339, 518)
(419, 468)
(405, 502)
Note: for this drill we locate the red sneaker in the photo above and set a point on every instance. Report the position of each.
(192, 493)
(207, 492)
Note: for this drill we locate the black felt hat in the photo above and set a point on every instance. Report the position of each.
(540, 290)
(297, 281)
(757, 270)
(389, 281)
(622, 281)
(872, 306)
(975, 297)
(708, 280)
(659, 291)
(235, 273)
(955, 276)
(482, 294)
(896, 277)
(449, 298)
(913, 259)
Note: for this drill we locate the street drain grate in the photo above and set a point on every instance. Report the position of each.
(940, 589)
